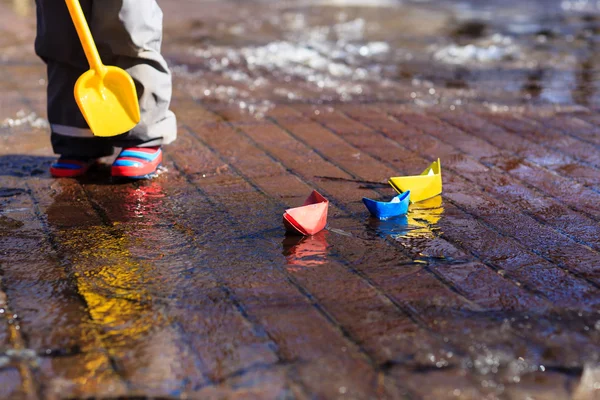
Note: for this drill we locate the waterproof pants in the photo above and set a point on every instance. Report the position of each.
(128, 34)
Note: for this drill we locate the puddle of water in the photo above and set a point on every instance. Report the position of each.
(392, 227)
(425, 216)
(333, 51)
(305, 252)
(424, 52)
(105, 264)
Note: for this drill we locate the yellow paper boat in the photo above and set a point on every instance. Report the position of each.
(422, 187)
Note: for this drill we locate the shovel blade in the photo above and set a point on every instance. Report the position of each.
(108, 103)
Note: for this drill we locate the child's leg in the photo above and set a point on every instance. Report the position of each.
(58, 45)
(128, 34)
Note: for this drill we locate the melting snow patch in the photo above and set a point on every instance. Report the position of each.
(580, 5)
(357, 3)
(23, 118)
(497, 49)
(340, 68)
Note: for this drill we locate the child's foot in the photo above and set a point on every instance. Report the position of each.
(71, 167)
(137, 162)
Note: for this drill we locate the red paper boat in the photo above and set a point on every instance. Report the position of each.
(308, 219)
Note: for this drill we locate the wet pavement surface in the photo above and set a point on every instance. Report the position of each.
(186, 286)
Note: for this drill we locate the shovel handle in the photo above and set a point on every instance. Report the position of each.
(85, 36)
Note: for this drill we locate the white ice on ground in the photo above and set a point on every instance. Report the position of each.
(356, 3)
(334, 61)
(23, 118)
(325, 51)
(580, 5)
(496, 48)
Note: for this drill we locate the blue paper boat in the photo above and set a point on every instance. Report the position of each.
(384, 210)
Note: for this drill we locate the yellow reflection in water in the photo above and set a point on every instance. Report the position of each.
(113, 285)
(423, 218)
(416, 230)
(114, 288)
(111, 280)
(419, 223)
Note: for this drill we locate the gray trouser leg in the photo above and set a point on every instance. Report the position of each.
(128, 34)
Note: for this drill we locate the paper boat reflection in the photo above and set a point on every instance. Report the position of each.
(309, 218)
(429, 211)
(304, 252)
(384, 210)
(422, 187)
(394, 227)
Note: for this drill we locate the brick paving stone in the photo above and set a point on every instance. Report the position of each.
(530, 201)
(37, 291)
(564, 189)
(297, 130)
(513, 260)
(495, 338)
(542, 239)
(51, 317)
(11, 385)
(261, 289)
(78, 376)
(584, 128)
(551, 385)
(383, 170)
(591, 292)
(591, 118)
(365, 298)
(449, 384)
(454, 384)
(553, 138)
(277, 137)
(212, 324)
(116, 293)
(234, 185)
(74, 359)
(4, 335)
(272, 386)
(566, 293)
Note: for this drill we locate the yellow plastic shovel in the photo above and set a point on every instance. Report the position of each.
(105, 95)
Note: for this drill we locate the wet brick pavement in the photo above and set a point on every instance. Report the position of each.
(185, 286)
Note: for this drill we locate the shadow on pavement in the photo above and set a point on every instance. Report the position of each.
(22, 165)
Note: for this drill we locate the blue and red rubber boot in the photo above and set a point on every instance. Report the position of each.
(137, 162)
(71, 167)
